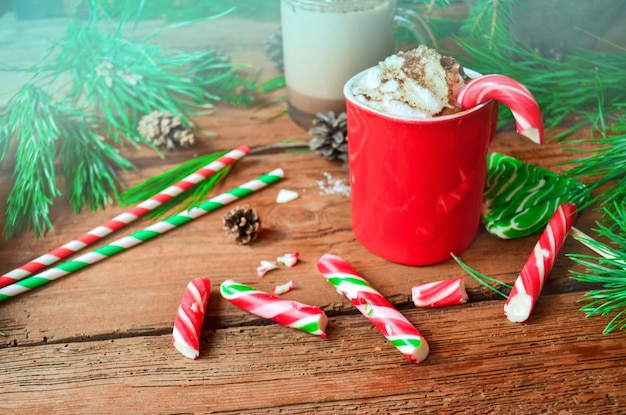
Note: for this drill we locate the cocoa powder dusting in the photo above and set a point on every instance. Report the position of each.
(414, 68)
(454, 79)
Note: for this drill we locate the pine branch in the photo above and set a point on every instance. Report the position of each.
(484, 279)
(185, 200)
(488, 24)
(28, 203)
(90, 164)
(608, 271)
(121, 79)
(603, 168)
(197, 193)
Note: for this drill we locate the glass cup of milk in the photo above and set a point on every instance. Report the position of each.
(325, 42)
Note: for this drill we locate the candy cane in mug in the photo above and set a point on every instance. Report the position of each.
(511, 93)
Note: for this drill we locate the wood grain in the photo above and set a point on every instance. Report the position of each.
(479, 363)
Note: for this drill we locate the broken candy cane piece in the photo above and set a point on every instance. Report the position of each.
(265, 267)
(293, 314)
(190, 316)
(289, 259)
(284, 288)
(439, 293)
(285, 195)
(520, 198)
(529, 283)
(384, 316)
(511, 93)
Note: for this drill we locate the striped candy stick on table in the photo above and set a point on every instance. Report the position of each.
(439, 293)
(528, 285)
(190, 316)
(289, 313)
(122, 219)
(136, 238)
(389, 321)
(511, 93)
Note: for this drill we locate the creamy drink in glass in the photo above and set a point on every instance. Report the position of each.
(325, 42)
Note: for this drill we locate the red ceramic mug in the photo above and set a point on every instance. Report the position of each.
(417, 184)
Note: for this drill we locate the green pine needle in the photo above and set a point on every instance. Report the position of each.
(602, 168)
(121, 80)
(488, 23)
(484, 279)
(185, 200)
(37, 123)
(607, 271)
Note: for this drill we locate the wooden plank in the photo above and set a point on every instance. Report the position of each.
(479, 363)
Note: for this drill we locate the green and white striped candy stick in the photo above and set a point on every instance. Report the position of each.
(289, 313)
(520, 198)
(373, 305)
(138, 237)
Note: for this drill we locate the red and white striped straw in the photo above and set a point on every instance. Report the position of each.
(122, 219)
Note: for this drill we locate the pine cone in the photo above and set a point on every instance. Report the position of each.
(165, 131)
(274, 49)
(243, 224)
(332, 136)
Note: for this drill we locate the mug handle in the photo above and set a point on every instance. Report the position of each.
(414, 23)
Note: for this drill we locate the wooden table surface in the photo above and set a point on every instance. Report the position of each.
(99, 340)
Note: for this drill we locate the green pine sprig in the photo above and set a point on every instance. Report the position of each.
(484, 279)
(200, 191)
(606, 271)
(185, 200)
(602, 168)
(487, 25)
(121, 79)
(36, 123)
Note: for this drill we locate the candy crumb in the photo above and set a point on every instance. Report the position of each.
(332, 186)
(289, 260)
(284, 288)
(265, 267)
(286, 195)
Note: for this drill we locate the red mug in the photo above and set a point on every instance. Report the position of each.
(417, 184)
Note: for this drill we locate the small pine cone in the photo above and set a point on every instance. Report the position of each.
(243, 224)
(165, 131)
(274, 49)
(331, 141)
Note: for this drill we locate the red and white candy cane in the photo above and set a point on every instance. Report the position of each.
(293, 314)
(389, 321)
(439, 293)
(190, 316)
(529, 283)
(511, 93)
